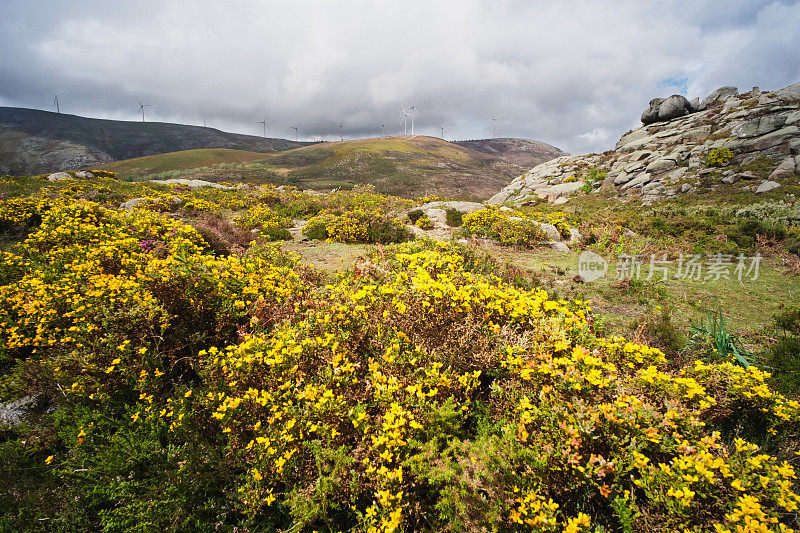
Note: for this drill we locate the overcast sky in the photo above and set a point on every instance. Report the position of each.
(575, 74)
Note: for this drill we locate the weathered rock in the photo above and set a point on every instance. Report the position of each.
(655, 160)
(15, 412)
(464, 207)
(551, 232)
(787, 168)
(767, 186)
(559, 247)
(720, 95)
(661, 165)
(790, 93)
(650, 115)
(638, 181)
(130, 204)
(437, 216)
(663, 109)
(193, 183)
(84, 174)
(58, 176)
(673, 107)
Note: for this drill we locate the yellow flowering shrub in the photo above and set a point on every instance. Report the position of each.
(269, 223)
(510, 228)
(197, 392)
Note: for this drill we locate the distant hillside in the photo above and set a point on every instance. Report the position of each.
(33, 141)
(402, 166)
(521, 152)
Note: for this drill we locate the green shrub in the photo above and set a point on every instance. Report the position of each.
(414, 215)
(454, 217)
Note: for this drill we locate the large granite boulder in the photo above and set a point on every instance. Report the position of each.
(663, 109)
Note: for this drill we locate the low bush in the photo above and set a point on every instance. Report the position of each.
(719, 157)
(414, 215)
(424, 222)
(454, 217)
(509, 229)
(270, 225)
(357, 226)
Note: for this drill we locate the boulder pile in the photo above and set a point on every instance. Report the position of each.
(669, 154)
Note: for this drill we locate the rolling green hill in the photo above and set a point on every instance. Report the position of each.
(33, 141)
(397, 165)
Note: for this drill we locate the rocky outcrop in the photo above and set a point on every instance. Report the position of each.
(662, 109)
(666, 158)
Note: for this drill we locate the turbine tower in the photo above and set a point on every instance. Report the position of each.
(413, 114)
(442, 128)
(264, 122)
(55, 102)
(341, 134)
(141, 108)
(404, 119)
(494, 126)
(383, 130)
(295, 131)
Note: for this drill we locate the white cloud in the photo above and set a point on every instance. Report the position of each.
(575, 73)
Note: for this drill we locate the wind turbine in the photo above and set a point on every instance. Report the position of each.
(264, 122)
(295, 130)
(404, 119)
(204, 120)
(341, 134)
(141, 108)
(383, 130)
(413, 114)
(442, 128)
(494, 126)
(55, 102)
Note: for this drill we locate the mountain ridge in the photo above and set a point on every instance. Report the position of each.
(35, 141)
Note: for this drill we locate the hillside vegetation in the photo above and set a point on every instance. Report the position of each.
(402, 166)
(175, 369)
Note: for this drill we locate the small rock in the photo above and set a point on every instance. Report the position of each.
(561, 200)
(559, 247)
(730, 180)
(767, 186)
(84, 174)
(130, 204)
(747, 175)
(686, 188)
(551, 232)
(720, 95)
(58, 176)
(574, 236)
(786, 168)
(14, 413)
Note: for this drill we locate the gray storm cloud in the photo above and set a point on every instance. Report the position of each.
(575, 74)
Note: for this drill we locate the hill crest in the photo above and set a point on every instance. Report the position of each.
(34, 141)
